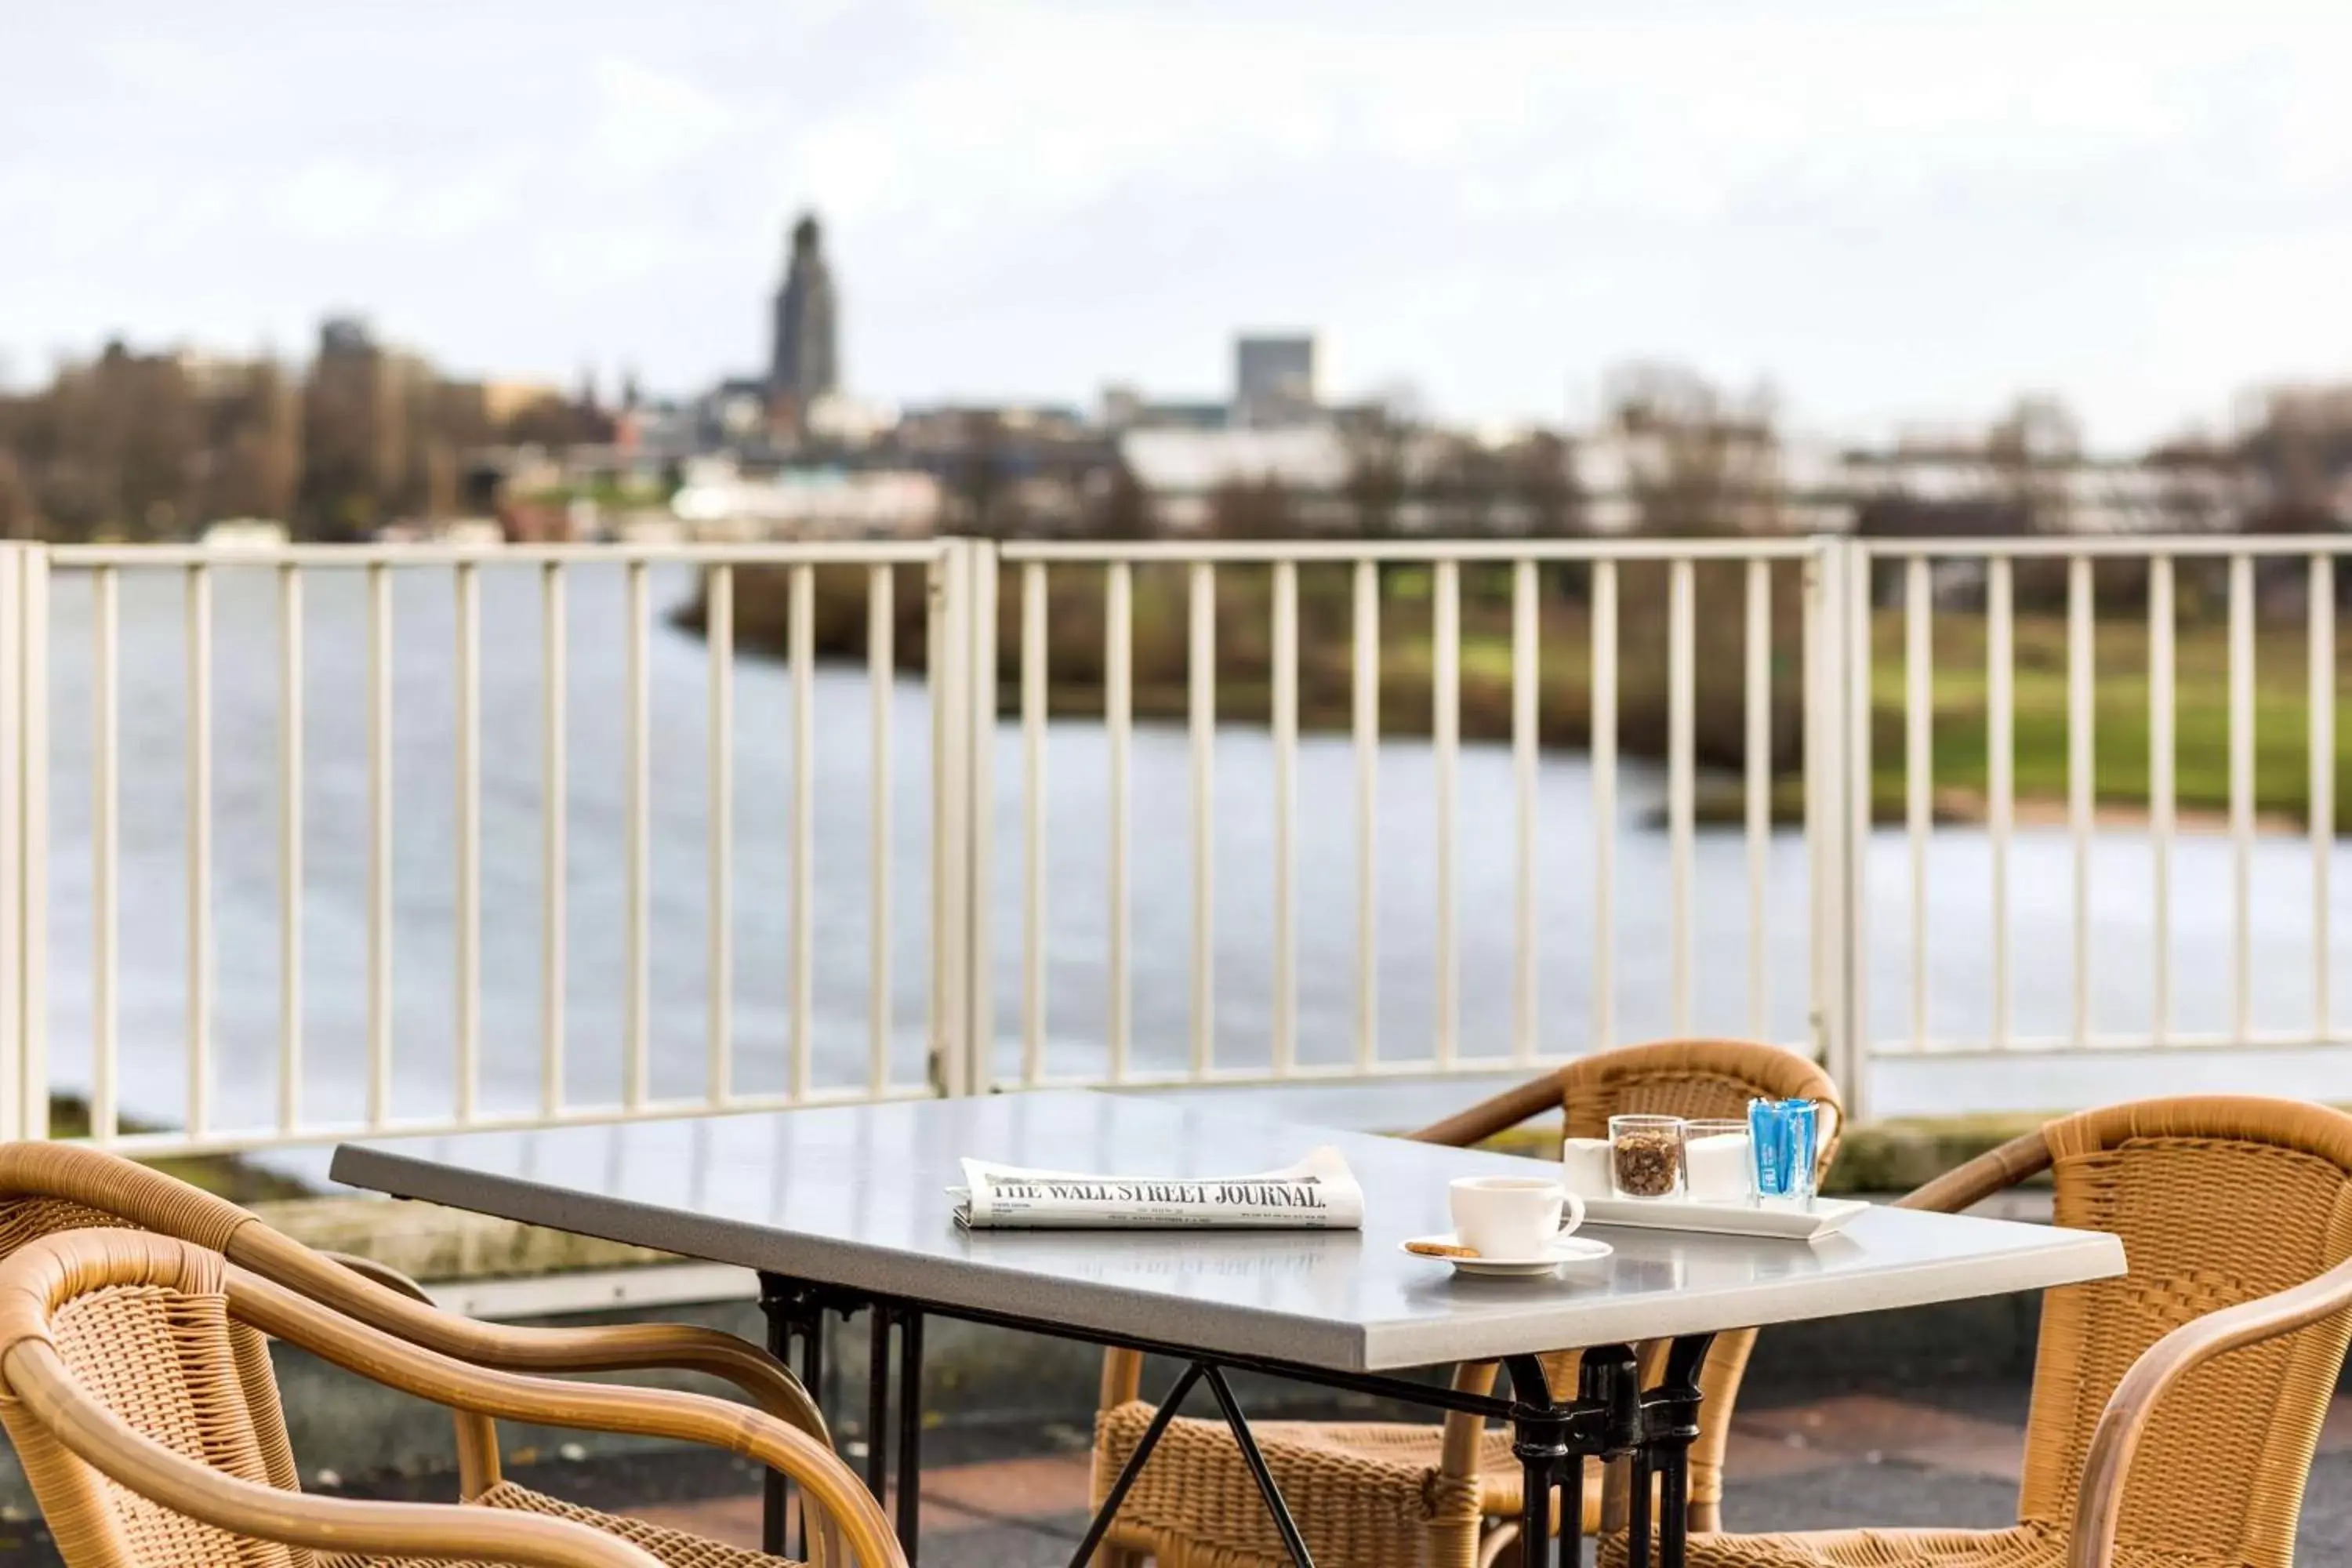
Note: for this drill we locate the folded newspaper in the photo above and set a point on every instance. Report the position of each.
(1318, 1193)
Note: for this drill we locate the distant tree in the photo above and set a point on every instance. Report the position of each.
(1251, 508)
(1375, 486)
(1541, 479)
(978, 477)
(1123, 508)
(2033, 448)
(1699, 462)
(20, 518)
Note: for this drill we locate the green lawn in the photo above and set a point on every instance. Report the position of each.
(1957, 691)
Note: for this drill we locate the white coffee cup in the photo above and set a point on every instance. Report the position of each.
(1512, 1216)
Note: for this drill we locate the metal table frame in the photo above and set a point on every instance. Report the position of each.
(1610, 1416)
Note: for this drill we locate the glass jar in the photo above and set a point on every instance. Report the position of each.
(1717, 1167)
(1645, 1156)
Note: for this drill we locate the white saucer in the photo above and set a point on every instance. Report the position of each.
(1566, 1249)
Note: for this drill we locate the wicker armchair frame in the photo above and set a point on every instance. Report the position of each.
(152, 1437)
(46, 1188)
(2176, 1409)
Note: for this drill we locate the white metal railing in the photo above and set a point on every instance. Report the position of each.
(2249, 947)
(1360, 565)
(222, 777)
(388, 1096)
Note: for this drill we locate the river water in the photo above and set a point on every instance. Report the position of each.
(245, 1023)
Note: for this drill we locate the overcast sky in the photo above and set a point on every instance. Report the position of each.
(1895, 209)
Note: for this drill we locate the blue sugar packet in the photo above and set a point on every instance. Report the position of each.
(1782, 1135)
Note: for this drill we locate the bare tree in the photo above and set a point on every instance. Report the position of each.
(20, 518)
(1251, 508)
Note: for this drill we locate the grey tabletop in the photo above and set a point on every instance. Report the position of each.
(855, 1196)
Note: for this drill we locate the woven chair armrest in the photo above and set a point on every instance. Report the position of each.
(384, 1274)
(2107, 1467)
(385, 1300)
(839, 1501)
(1994, 1171)
(1498, 1114)
(436, 1530)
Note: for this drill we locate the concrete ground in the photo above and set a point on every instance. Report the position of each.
(1016, 1498)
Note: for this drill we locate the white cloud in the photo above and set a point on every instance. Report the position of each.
(1892, 209)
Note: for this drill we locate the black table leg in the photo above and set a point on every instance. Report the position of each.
(1672, 1420)
(910, 1429)
(1539, 1442)
(1284, 1526)
(793, 1314)
(878, 1402)
(1125, 1481)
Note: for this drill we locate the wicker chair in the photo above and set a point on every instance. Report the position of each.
(46, 1188)
(132, 1387)
(2175, 1409)
(1391, 1495)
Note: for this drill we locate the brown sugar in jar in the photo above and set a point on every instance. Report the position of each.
(1645, 1156)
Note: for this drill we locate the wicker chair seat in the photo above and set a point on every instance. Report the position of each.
(1363, 1493)
(675, 1548)
(2018, 1546)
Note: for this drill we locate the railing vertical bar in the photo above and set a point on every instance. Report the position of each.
(105, 724)
(1365, 726)
(2160, 761)
(1119, 631)
(1757, 789)
(554, 650)
(1527, 674)
(881, 677)
(1854, 795)
(1202, 701)
(718, 844)
(2081, 784)
(468, 769)
(981, 690)
(803, 808)
(1445, 729)
(2242, 794)
(1918, 768)
(2000, 720)
(1682, 681)
(944, 1053)
(1032, 827)
(2322, 786)
(289, 847)
(638, 809)
(380, 798)
(33, 1096)
(1285, 815)
(14, 755)
(1604, 803)
(199, 657)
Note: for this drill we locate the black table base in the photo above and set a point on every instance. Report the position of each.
(1610, 1416)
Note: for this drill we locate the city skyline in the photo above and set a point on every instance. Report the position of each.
(1893, 217)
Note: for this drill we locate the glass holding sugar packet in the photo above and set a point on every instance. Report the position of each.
(1784, 1137)
(1716, 1166)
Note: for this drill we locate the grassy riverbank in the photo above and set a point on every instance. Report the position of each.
(1958, 689)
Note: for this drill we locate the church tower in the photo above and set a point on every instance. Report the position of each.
(802, 367)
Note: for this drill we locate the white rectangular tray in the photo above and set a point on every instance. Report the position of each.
(1826, 1217)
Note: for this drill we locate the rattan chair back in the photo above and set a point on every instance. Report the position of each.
(123, 1388)
(2217, 1200)
(149, 1337)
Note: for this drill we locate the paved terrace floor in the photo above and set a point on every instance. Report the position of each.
(1017, 1498)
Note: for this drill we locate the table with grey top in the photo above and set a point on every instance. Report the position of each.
(846, 1208)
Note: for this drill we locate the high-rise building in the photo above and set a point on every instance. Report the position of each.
(1273, 379)
(804, 365)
